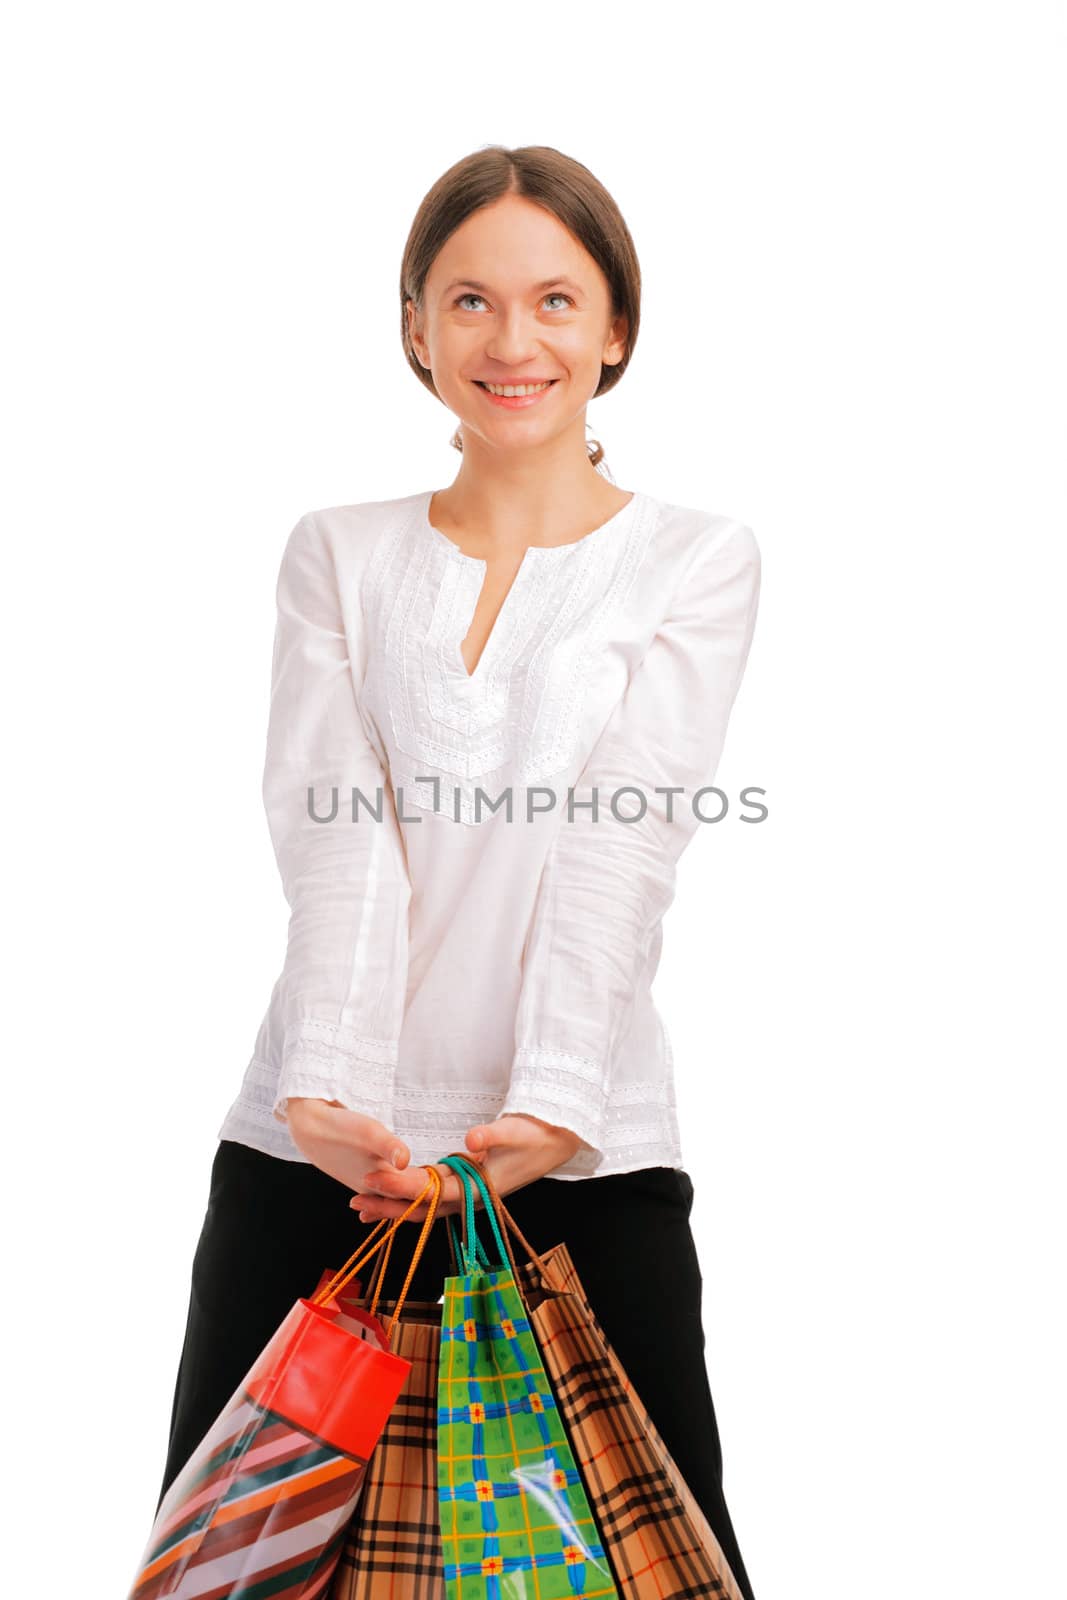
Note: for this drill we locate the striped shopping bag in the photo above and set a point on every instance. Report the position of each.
(262, 1506)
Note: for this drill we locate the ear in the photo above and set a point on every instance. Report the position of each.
(615, 348)
(418, 343)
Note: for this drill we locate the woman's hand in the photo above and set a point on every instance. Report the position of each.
(514, 1150)
(344, 1144)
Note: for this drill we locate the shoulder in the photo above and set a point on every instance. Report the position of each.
(705, 546)
(339, 540)
(358, 525)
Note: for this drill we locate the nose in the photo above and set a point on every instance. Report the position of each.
(514, 341)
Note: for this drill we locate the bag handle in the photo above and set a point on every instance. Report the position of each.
(474, 1255)
(364, 1251)
(377, 1274)
(499, 1214)
(465, 1169)
(457, 1250)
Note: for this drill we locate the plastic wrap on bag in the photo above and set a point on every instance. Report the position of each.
(515, 1518)
(262, 1504)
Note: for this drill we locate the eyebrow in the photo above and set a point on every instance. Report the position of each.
(471, 283)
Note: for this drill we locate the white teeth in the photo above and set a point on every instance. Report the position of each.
(521, 388)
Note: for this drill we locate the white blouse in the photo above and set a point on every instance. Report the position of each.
(462, 945)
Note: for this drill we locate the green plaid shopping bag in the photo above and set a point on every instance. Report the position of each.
(515, 1518)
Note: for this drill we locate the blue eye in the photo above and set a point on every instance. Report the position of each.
(555, 294)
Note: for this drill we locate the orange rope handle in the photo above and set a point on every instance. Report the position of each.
(437, 1183)
(363, 1252)
(376, 1275)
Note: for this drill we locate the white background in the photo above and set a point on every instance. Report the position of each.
(853, 340)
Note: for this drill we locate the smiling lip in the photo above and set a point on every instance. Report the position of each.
(516, 402)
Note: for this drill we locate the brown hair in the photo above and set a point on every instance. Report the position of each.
(550, 179)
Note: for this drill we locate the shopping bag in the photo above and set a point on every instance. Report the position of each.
(659, 1542)
(514, 1514)
(262, 1504)
(392, 1547)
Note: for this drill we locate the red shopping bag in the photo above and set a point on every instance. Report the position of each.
(262, 1505)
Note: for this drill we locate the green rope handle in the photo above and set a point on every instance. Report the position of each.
(465, 1171)
(464, 1259)
(469, 1249)
(470, 1259)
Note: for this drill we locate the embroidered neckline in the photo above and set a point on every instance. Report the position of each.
(470, 579)
(517, 718)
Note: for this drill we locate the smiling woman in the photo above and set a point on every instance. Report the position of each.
(471, 966)
(474, 305)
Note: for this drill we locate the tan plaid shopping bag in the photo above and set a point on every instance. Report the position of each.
(657, 1539)
(393, 1550)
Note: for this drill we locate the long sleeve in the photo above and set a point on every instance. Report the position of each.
(340, 996)
(607, 882)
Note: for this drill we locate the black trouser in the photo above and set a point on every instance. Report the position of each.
(272, 1226)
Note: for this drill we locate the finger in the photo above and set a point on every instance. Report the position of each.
(392, 1192)
(369, 1136)
(452, 1191)
(385, 1147)
(486, 1136)
(373, 1210)
(394, 1185)
(506, 1162)
(390, 1151)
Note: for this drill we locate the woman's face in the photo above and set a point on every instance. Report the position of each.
(512, 297)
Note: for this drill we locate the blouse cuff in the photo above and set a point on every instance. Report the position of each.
(328, 1061)
(560, 1088)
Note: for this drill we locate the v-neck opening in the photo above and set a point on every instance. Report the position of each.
(530, 556)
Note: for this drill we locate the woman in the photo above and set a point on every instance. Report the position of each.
(462, 680)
